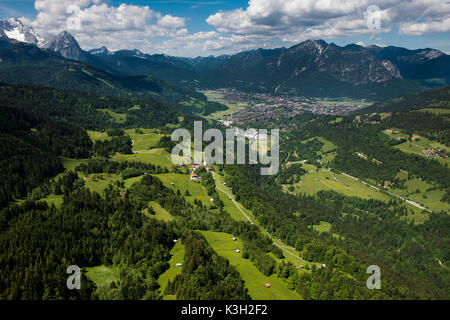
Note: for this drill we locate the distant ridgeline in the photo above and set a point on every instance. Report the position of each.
(26, 63)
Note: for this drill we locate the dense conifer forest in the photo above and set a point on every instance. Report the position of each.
(118, 228)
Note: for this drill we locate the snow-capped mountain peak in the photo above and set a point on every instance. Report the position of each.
(103, 51)
(431, 54)
(14, 29)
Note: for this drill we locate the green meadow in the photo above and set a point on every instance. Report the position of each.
(325, 227)
(148, 138)
(177, 253)
(290, 253)
(97, 135)
(224, 114)
(56, 200)
(157, 157)
(71, 164)
(420, 191)
(118, 117)
(418, 145)
(160, 212)
(229, 206)
(323, 179)
(436, 110)
(223, 245)
(182, 182)
(103, 275)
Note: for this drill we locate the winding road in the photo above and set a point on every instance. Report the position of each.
(389, 193)
(231, 198)
(282, 247)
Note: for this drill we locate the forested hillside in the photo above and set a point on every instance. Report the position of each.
(23, 63)
(372, 231)
(434, 98)
(110, 201)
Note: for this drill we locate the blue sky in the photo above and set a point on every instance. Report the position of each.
(205, 27)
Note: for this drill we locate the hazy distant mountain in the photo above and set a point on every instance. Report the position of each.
(429, 66)
(26, 63)
(101, 52)
(243, 62)
(206, 64)
(136, 63)
(313, 68)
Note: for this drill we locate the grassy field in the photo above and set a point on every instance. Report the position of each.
(148, 138)
(290, 253)
(157, 157)
(436, 110)
(57, 200)
(118, 117)
(182, 182)
(417, 146)
(103, 275)
(323, 179)
(223, 245)
(322, 227)
(314, 182)
(325, 227)
(97, 135)
(99, 182)
(430, 199)
(71, 164)
(160, 212)
(142, 142)
(131, 181)
(225, 114)
(326, 150)
(177, 253)
(229, 206)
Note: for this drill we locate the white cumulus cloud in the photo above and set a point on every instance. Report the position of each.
(262, 23)
(95, 23)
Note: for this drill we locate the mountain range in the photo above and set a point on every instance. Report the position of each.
(311, 68)
(15, 29)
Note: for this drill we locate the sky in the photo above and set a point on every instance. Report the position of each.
(193, 28)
